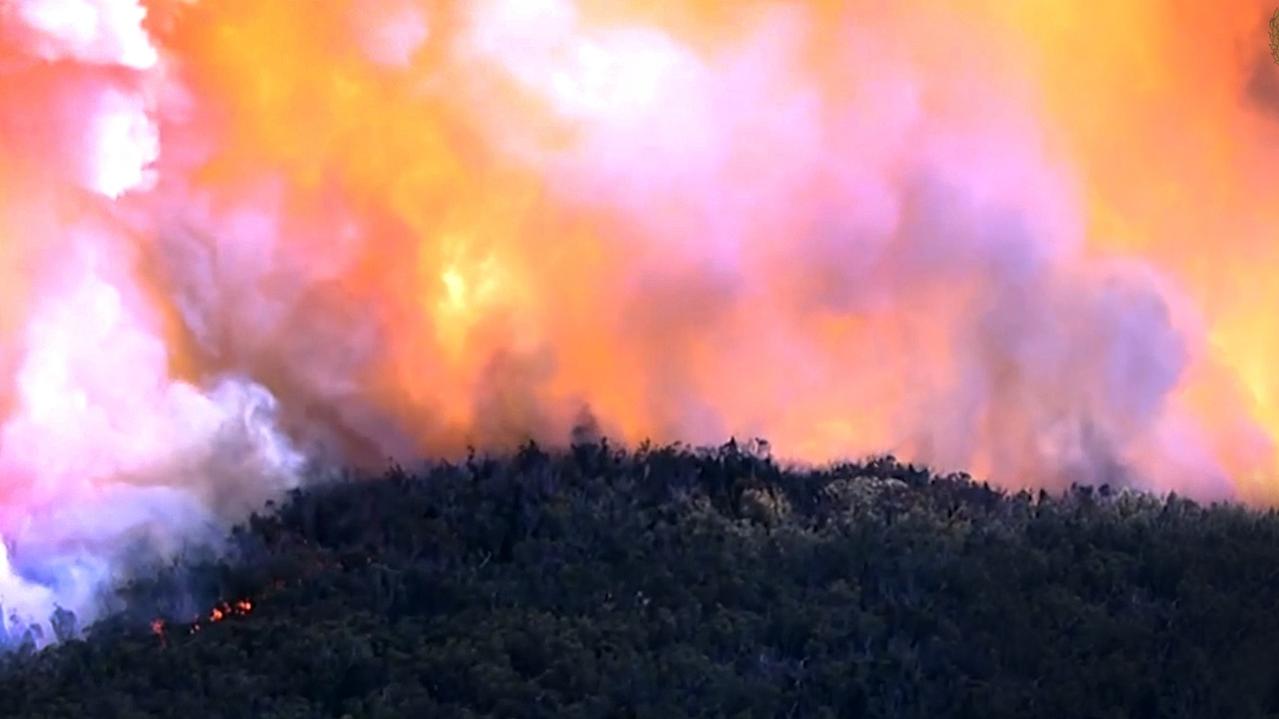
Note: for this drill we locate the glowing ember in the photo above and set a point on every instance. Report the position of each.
(238, 608)
(220, 612)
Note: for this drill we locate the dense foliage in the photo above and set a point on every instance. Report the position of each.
(668, 583)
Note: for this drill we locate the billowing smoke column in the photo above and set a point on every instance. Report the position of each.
(1033, 243)
(104, 452)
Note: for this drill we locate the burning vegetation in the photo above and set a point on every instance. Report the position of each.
(238, 240)
(224, 610)
(220, 612)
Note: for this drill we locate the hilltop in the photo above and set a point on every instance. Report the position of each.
(669, 582)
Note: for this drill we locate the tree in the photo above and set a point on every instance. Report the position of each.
(674, 582)
(1274, 36)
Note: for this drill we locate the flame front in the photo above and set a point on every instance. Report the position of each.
(1032, 240)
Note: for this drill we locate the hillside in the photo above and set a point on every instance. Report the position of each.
(668, 582)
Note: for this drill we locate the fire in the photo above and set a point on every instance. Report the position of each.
(221, 611)
(238, 608)
(1030, 240)
(698, 232)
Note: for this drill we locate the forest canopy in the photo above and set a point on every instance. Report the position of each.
(671, 582)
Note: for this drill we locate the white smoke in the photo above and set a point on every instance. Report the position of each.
(102, 450)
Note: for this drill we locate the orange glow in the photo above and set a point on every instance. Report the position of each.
(518, 275)
(238, 608)
(220, 612)
(1171, 112)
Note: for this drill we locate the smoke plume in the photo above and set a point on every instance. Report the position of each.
(237, 235)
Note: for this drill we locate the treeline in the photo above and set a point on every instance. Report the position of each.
(667, 582)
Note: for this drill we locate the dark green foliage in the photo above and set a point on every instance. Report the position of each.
(671, 583)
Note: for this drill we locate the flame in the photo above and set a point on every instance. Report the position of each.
(223, 610)
(220, 612)
(1032, 240)
(1177, 144)
(634, 209)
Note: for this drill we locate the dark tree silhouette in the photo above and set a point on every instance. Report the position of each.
(668, 582)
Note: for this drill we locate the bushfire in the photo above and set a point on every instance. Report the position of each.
(1035, 241)
(220, 612)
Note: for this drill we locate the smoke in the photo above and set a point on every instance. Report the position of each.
(103, 450)
(239, 235)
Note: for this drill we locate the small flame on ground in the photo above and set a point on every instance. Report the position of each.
(240, 607)
(220, 612)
